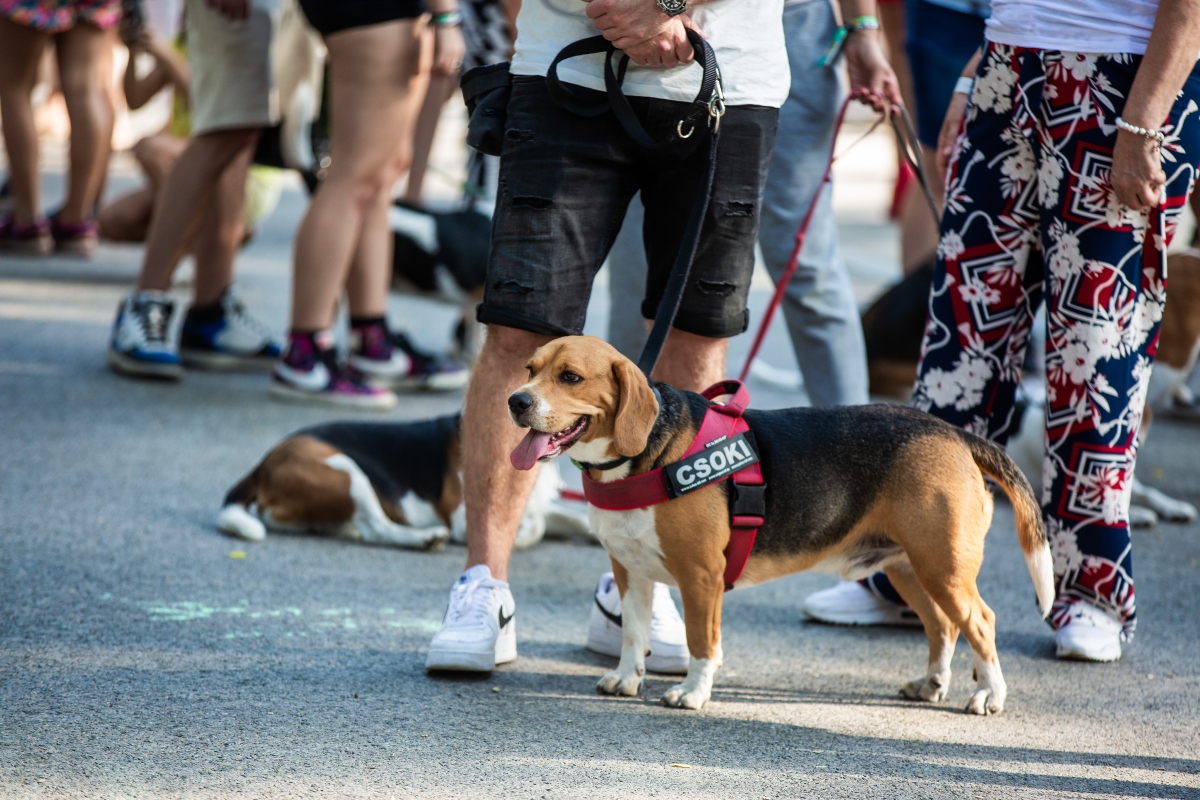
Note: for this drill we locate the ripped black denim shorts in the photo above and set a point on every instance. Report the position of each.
(565, 183)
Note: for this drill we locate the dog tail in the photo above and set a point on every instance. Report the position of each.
(1031, 530)
(236, 518)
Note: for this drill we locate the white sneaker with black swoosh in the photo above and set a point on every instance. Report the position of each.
(478, 631)
(668, 637)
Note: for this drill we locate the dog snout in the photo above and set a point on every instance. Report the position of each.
(519, 403)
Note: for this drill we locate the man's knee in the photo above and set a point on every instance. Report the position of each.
(510, 344)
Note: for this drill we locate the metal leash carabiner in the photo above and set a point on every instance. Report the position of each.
(716, 107)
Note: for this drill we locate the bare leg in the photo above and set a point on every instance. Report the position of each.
(220, 232)
(127, 219)
(691, 362)
(441, 89)
(84, 67)
(373, 71)
(189, 186)
(494, 492)
(371, 270)
(21, 49)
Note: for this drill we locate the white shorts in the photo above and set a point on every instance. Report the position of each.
(233, 85)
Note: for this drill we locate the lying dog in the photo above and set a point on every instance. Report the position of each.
(894, 325)
(852, 489)
(388, 483)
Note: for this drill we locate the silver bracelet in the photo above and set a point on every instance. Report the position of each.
(964, 85)
(1157, 136)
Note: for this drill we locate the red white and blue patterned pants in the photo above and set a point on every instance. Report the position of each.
(1031, 215)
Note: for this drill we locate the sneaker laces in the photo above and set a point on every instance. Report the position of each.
(468, 602)
(237, 310)
(154, 318)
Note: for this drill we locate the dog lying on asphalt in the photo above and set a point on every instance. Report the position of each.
(851, 489)
(386, 483)
(894, 325)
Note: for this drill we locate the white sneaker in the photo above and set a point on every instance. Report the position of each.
(851, 603)
(1090, 634)
(478, 631)
(142, 342)
(668, 637)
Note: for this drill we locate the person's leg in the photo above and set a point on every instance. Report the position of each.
(84, 66)
(1106, 289)
(21, 49)
(819, 306)
(372, 72)
(127, 218)
(440, 89)
(190, 185)
(220, 231)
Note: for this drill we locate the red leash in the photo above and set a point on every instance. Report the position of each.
(912, 154)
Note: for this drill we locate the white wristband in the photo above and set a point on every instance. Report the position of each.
(964, 85)
(1157, 136)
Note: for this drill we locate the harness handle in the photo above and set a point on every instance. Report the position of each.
(738, 401)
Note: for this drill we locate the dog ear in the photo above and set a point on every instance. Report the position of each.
(637, 409)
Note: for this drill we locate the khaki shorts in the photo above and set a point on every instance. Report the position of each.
(233, 85)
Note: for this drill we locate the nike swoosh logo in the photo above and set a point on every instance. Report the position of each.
(503, 619)
(615, 619)
(313, 380)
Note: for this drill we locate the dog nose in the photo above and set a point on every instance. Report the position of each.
(519, 403)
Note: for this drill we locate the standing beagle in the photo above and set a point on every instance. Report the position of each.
(849, 489)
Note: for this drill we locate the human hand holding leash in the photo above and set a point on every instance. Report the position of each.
(872, 80)
(647, 35)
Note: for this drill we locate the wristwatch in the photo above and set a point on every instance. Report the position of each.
(673, 8)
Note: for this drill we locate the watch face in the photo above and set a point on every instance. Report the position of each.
(673, 7)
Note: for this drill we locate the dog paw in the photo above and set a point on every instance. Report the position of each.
(437, 540)
(679, 697)
(985, 702)
(931, 689)
(616, 683)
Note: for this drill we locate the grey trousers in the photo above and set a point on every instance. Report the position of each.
(819, 306)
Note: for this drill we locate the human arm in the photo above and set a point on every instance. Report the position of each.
(448, 45)
(644, 31)
(953, 119)
(170, 69)
(872, 79)
(1137, 173)
(234, 9)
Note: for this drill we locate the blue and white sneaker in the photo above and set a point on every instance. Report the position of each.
(226, 337)
(141, 344)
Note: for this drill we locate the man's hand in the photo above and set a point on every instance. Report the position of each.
(872, 80)
(669, 48)
(448, 50)
(234, 9)
(1137, 173)
(626, 23)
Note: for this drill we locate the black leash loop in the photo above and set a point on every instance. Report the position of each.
(910, 148)
(709, 106)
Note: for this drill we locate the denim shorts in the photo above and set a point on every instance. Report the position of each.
(565, 182)
(940, 42)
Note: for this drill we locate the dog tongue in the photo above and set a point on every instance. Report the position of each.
(532, 447)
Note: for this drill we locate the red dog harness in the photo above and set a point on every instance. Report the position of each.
(722, 422)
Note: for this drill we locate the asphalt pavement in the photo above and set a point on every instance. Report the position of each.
(143, 654)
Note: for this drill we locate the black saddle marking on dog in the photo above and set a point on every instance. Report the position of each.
(397, 457)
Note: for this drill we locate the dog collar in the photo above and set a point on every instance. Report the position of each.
(604, 466)
(723, 423)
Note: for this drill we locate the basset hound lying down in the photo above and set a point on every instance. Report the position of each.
(848, 489)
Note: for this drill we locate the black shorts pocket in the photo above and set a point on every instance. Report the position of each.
(486, 91)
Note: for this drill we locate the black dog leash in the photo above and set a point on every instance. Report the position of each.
(709, 106)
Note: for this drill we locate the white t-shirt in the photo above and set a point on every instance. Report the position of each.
(747, 36)
(1076, 26)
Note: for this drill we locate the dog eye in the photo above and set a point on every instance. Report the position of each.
(570, 377)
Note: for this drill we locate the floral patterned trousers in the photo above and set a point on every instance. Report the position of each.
(1031, 214)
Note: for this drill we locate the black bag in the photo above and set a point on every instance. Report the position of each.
(486, 91)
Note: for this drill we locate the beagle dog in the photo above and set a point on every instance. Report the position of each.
(847, 489)
(385, 483)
